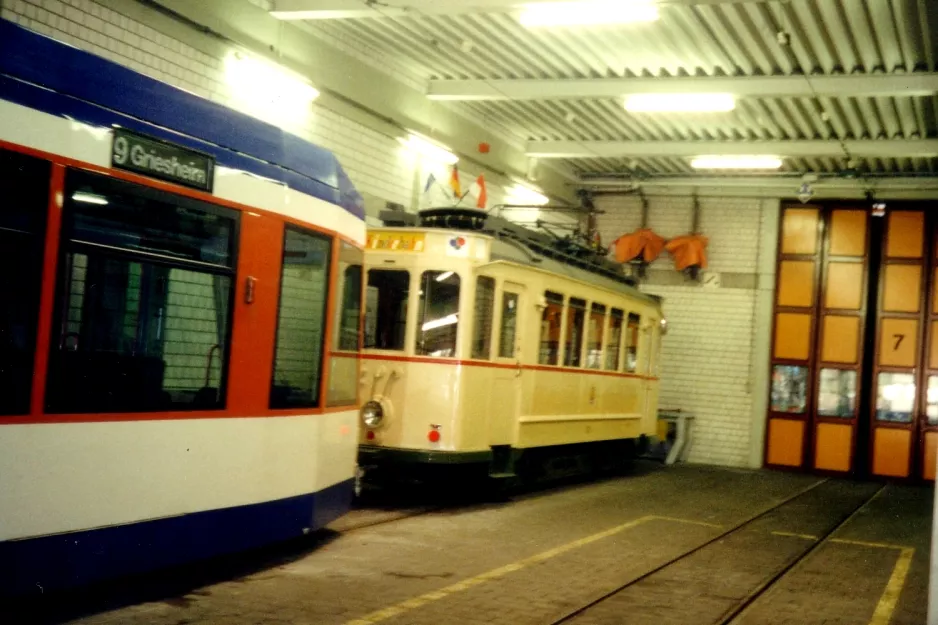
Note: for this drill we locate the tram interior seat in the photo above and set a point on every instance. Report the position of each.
(107, 382)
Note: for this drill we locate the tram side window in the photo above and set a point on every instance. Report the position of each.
(506, 342)
(631, 342)
(615, 339)
(482, 322)
(386, 308)
(550, 329)
(438, 314)
(144, 300)
(301, 320)
(24, 196)
(576, 314)
(343, 368)
(594, 342)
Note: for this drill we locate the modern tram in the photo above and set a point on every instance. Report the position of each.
(178, 347)
(493, 349)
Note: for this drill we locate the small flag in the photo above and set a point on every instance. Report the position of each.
(430, 180)
(454, 183)
(483, 197)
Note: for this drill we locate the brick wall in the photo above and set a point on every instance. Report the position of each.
(711, 356)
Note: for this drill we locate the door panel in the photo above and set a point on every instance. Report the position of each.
(832, 450)
(796, 283)
(841, 342)
(792, 336)
(844, 288)
(506, 389)
(786, 440)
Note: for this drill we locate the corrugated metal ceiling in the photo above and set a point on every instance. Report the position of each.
(717, 39)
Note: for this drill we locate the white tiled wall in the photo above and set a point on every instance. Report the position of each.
(710, 364)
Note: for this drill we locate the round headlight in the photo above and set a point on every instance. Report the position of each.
(372, 414)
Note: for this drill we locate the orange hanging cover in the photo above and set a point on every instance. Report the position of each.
(688, 250)
(642, 242)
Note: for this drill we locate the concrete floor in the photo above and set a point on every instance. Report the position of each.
(560, 554)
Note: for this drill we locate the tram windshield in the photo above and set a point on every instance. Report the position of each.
(386, 308)
(438, 314)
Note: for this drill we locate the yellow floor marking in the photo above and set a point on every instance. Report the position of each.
(887, 603)
(421, 600)
(794, 535)
(863, 543)
(676, 520)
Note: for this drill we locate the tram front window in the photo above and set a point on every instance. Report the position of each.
(438, 314)
(386, 309)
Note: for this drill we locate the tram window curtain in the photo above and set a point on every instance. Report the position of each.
(614, 344)
(550, 329)
(594, 342)
(143, 300)
(301, 319)
(573, 340)
(438, 314)
(483, 314)
(24, 197)
(346, 338)
(631, 342)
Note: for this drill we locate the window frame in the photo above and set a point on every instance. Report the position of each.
(558, 299)
(623, 315)
(366, 278)
(318, 396)
(490, 343)
(68, 247)
(34, 240)
(418, 311)
(501, 324)
(629, 316)
(590, 311)
(569, 307)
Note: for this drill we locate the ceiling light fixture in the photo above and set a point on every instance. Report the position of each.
(591, 13)
(736, 162)
(89, 198)
(680, 103)
(429, 149)
(525, 196)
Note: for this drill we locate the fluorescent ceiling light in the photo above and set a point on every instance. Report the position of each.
(736, 162)
(680, 103)
(89, 198)
(444, 276)
(589, 13)
(254, 79)
(425, 147)
(526, 196)
(439, 323)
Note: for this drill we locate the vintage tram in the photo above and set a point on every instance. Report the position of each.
(500, 350)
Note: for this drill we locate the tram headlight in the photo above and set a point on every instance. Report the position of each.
(372, 414)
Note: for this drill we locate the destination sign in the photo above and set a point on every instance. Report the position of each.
(395, 241)
(161, 159)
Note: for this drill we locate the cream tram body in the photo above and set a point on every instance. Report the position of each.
(477, 349)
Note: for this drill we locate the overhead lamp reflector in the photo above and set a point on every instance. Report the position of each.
(680, 103)
(426, 148)
(89, 198)
(589, 13)
(525, 196)
(440, 323)
(736, 162)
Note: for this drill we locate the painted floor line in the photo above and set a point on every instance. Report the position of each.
(796, 535)
(887, 602)
(421, 600)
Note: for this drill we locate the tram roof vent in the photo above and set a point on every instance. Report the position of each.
(567, 249)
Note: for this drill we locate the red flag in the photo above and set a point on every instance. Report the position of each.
(483, 195)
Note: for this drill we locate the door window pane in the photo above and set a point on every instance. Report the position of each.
(594, 342)
(144, 319)
(506, 341)
(304, 285)
(789, 389)
(615, 340)
(343, 368)
(483, 313)
(895, 397)
(576, 315)
(932, 400)
(24, 196)
(348, 312)
(631, 342)
(386, 309)
(837, 393)
(438, 314)
(550, 329)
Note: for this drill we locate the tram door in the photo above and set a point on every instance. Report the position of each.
(506, 390)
